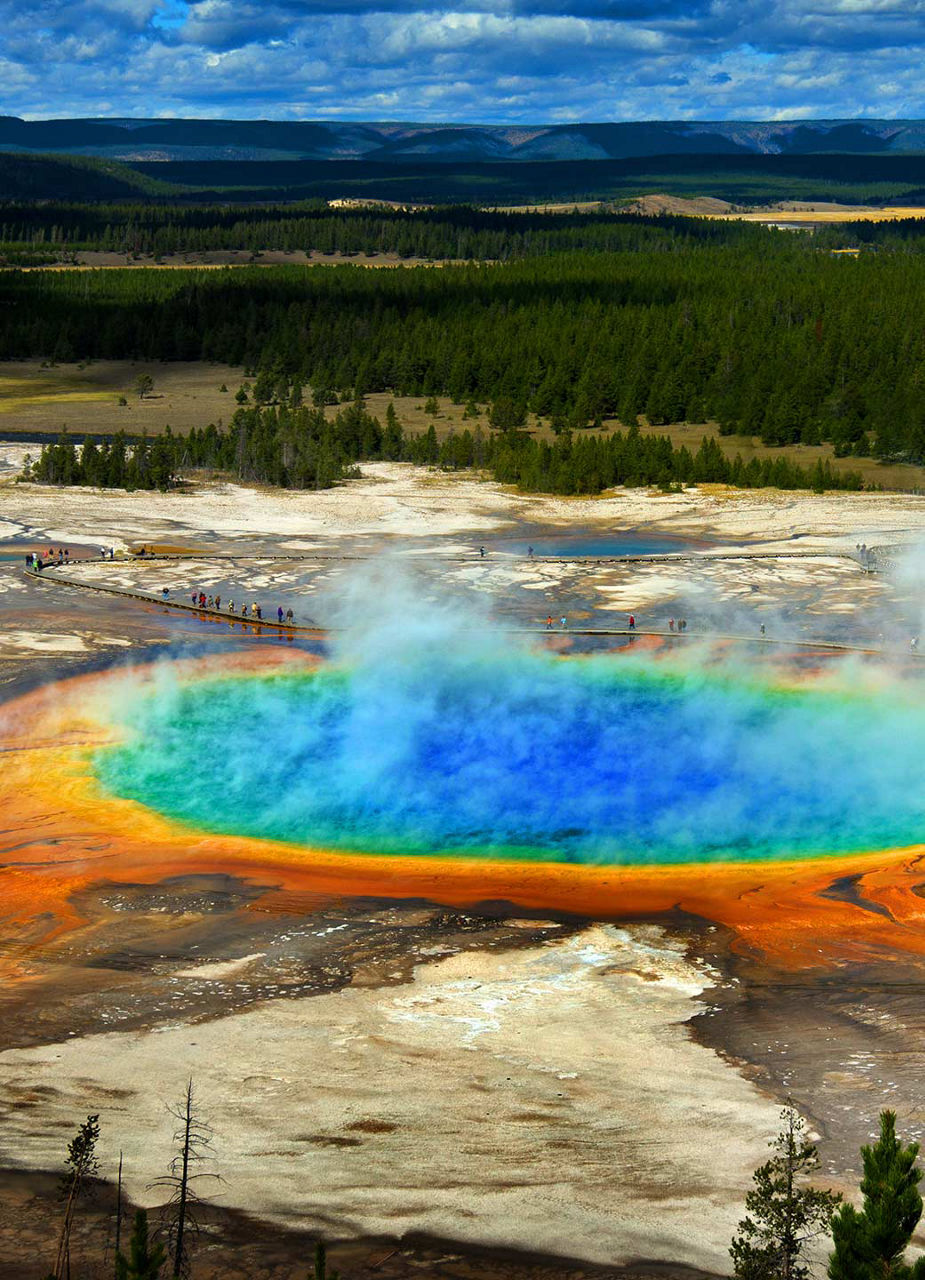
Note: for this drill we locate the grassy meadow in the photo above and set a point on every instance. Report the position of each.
(38, 399)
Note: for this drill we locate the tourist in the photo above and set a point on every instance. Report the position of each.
(632, 622)
(218, 602)
(259, 614)
(289, 616)
(530, 552)
(762, 628)
(231, 606)
(914, 643)
(244, 610)
(563, 622)
(482, 552)
(549, 623)
(166, 593)
(202, 599)
(211, 603)
(671, 624)
(279, 613)
(194, 599)
(255, 612)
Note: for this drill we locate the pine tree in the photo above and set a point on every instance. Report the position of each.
(870, 1244)
(321, 1264)
(782, 1215)
(145, 1260)
(80, 1174)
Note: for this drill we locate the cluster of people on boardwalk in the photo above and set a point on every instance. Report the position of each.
(39, 560)
(56, 555)
(254, 611)
(675, 625)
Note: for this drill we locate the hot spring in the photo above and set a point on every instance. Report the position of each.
(610, 760)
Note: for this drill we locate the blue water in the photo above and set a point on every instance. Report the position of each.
(615, 544)
(599, 760)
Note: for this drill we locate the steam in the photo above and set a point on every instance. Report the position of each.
(431, 732)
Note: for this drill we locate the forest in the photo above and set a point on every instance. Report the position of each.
(298, 447)
(50, 232)
(32, 233)
(766, 333)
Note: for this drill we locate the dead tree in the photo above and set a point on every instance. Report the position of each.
(80, 1174)
(180, 1225)
(119, 1216)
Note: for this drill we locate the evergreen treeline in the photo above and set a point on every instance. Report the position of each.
(47, 231)
(112, 464)
(296, 447)
(772, 338)
(589, 464)
(905, 235)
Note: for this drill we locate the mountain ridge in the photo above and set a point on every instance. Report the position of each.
(384, 142)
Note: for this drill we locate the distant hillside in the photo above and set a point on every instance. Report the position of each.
(741, 178)
(383, 143)
(39, 177)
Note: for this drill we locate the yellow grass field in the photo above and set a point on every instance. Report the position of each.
(787, 212)
(37, 401)
(795, 214)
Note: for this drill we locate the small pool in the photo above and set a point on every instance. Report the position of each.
(571, 545)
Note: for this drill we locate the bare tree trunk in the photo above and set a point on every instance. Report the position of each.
(62, 1260)
(119, 1214)
(184, 1183)
(788, 1259)
(193, 1145)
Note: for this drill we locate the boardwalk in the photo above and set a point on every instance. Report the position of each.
(54, 576)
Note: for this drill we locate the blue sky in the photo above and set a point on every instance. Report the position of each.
(477, 60)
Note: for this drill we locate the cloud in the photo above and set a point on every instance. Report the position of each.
(481, 60)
